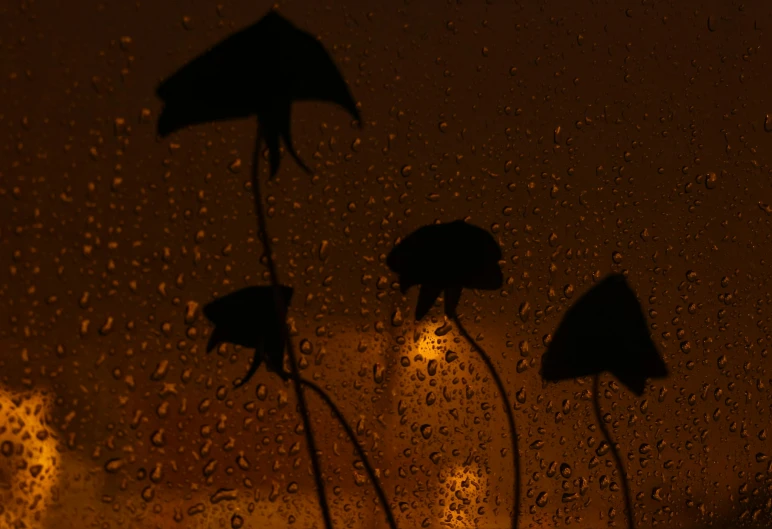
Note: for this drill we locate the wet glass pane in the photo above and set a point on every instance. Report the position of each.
(610, 158)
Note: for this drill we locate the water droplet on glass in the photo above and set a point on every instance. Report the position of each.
(524, 311)
(541, 499)
(656, 494)
(324, 250)
(569, 497)
(378, 372)
(158, 438)
(426, 431)
(114, 465)
(396, 318)
(148, 493)
(431, 368)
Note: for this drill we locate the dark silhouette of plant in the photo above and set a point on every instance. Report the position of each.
(358, 447)
(249, 317)
(448, 258)
(605, 330)
(260, 71)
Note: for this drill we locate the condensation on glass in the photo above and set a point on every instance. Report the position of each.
(588, 138)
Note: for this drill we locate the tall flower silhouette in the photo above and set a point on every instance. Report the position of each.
(249, 317)
(447, 258)
(605, 331)
(259, 71)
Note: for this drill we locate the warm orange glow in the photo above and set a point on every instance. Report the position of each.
(611, 138)
(429, 344)
(30, 464)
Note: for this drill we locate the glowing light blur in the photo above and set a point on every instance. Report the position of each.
(30, 463)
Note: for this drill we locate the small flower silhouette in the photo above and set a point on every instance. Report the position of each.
(249, 317)
(605, 330)
(260, 71)
(450, 257)
(446, 257)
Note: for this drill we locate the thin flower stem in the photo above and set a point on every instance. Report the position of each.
(510, 417)
(358, 447)
(614, 452)
(282, 310)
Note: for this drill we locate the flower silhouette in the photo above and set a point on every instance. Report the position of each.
(249, 317)
(446, 257)
(605, 330)
(260, 71)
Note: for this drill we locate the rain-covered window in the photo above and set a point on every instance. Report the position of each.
(437, 264)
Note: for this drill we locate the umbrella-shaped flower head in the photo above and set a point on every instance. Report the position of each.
(249, 317)
(260, 70)
(446, 257)
(605, 330)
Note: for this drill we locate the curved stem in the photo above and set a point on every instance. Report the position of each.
(282, 310)
(360, 451)
(510, 417)
(614, 452)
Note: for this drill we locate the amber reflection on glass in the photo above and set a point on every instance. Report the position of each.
(588, 138)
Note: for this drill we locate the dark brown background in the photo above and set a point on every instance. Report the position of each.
(571, 130)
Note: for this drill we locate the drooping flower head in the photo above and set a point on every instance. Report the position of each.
(446, 257)
(249, 317)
